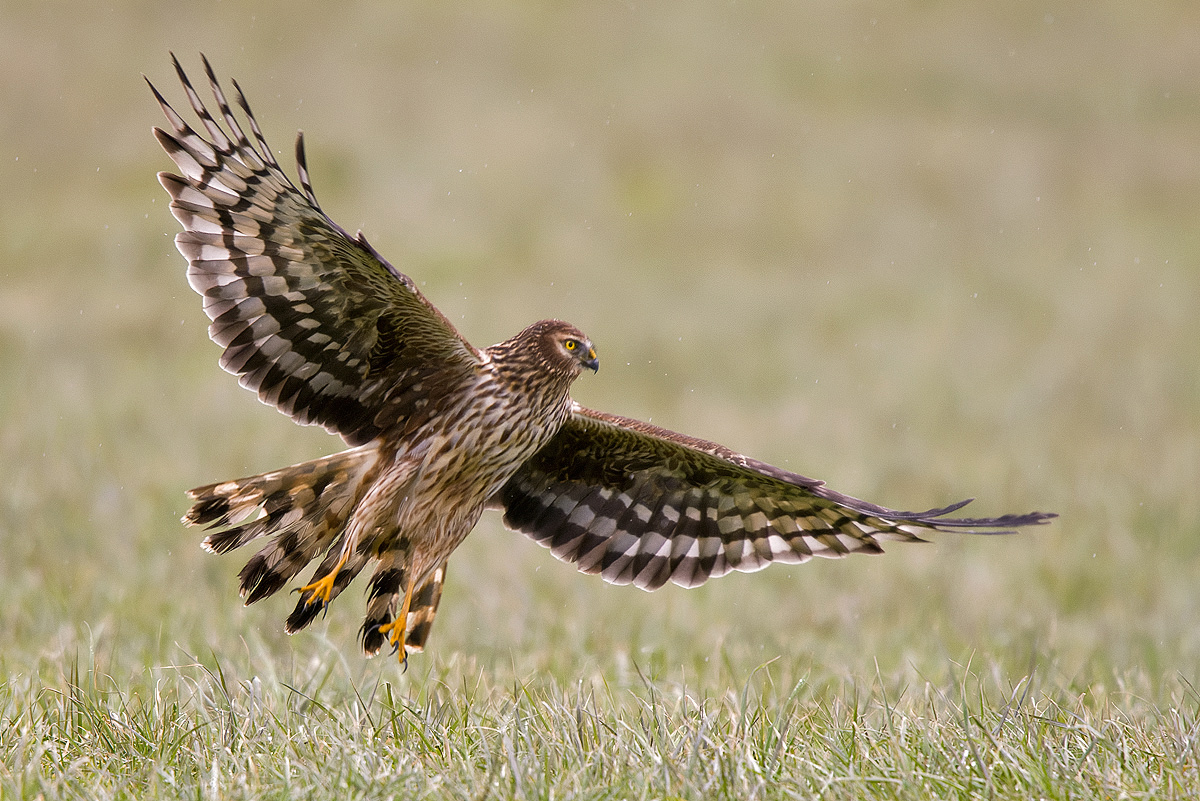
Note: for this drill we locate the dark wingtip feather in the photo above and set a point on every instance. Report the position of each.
(212, 75)
(183, 78)
(302, 169)
(162, 101)
(945, 510)
(1005, 524)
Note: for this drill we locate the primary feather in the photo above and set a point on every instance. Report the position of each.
(319, 325)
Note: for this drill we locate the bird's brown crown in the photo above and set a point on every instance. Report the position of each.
(549, 346)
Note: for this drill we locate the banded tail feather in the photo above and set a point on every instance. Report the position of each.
(321, 326)
(386, 590)
(302, 509)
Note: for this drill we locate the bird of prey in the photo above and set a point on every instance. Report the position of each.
(321, 326)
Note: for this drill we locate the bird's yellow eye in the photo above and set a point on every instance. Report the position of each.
(570, 344)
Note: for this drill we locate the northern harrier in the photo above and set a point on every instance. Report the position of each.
(321, 326)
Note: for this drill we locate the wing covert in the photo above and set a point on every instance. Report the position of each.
(313, 320)
(640, 504)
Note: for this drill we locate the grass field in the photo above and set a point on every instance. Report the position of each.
(922, 251)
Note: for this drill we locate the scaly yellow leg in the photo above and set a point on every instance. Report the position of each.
(322, 588)
(398, 628)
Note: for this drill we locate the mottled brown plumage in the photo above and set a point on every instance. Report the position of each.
(319, 325)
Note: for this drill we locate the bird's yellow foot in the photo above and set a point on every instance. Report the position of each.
(395, 632)
(321, 590)
(398, 629)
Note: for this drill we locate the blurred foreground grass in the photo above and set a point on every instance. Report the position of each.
(921, 252)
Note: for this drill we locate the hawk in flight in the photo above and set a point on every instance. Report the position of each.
(322, 327)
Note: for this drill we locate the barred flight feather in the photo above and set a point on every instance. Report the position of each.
(639, 504)
(302, 509)
(305, 312)
(319, 325)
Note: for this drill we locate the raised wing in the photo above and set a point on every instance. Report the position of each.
(643, 505)
(312, 319)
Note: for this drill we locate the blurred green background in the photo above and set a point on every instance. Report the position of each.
(922, 250)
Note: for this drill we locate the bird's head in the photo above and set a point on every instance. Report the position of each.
(555, 348)
(566, 348)
(547, 356)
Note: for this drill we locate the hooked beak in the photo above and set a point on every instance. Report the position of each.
(592, 362)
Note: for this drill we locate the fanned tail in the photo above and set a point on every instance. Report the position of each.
(303, 509)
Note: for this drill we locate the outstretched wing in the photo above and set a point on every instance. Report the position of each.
(312, 319)
(643, 505)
